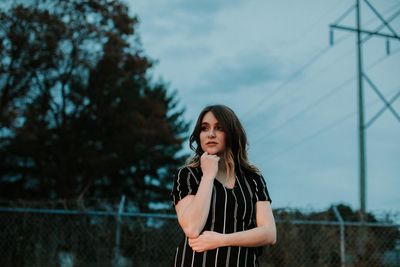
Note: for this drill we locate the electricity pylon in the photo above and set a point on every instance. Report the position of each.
(362, 36)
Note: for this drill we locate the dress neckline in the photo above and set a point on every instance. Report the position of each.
(228, 188)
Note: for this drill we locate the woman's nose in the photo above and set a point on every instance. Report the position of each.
(211, 133)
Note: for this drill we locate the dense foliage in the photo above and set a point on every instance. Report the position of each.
(80, 114)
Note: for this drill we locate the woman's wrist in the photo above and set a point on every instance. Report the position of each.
(224, 240)
(208, 177)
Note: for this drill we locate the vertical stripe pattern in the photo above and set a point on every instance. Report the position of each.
(231, 210)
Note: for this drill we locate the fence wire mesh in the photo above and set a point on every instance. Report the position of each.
(65, 239)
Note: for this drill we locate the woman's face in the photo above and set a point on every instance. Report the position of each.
(212, 138)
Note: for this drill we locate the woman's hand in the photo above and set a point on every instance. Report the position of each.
(208, 240)
(209, 165)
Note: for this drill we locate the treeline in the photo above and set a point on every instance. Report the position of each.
(314, 239)
(80, 114)
(305, 239)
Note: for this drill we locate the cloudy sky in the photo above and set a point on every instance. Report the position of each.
(272, 63)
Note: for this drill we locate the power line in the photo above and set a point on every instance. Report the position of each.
(323, 130)
(333, 124)
(321, 70)
(306, 109)
(248, 114)
(291, 77)
(314, 104)
(331, 92)
(384, 22)
(345, 14)
(312, 25)
(310, 137)
(370, 21)
(392, 17)
(365, 39)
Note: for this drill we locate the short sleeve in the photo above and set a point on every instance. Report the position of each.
(261, 191)
(185, 183)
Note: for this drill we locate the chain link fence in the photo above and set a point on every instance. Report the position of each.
(65, 238)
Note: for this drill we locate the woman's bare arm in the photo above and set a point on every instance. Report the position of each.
(263, 234)
(192, 211)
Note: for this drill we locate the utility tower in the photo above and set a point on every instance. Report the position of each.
(364, 35)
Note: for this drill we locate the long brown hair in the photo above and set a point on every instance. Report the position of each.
(235, 139)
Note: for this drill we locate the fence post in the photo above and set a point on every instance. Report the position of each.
(342, 241)
(397, 250)
(118, 232)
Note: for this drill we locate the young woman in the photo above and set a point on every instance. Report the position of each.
(221, 200)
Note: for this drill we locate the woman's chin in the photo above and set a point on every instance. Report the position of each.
(214, 152)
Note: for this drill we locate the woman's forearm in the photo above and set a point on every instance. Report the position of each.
(194, 215)
(263, 234)
(259, 236)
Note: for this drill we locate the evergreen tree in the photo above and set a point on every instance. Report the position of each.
(80, 115)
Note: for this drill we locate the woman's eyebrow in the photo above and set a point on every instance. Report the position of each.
(206, 123)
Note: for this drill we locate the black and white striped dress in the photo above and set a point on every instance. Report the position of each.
(231, 210)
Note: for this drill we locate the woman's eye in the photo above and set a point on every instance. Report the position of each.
(203, 128)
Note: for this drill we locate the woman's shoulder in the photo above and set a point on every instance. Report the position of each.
(186, 170)
(254, 173)
(254, 176)
(257, 184)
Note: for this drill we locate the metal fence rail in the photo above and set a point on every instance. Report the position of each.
(47, 238)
